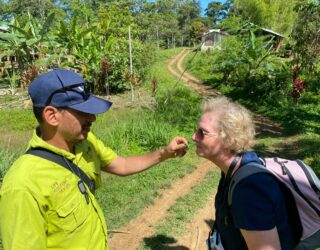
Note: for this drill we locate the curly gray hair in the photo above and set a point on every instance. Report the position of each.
(235, 124)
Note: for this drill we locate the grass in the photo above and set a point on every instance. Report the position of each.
(132, 135)
(172, 227)
(17, 120)
(16, 127)
(123, 198)
(6, 160)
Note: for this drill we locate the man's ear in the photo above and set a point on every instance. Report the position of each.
(51, 115)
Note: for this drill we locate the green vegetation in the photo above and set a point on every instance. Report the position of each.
(92, 37)
(6, 160)
(268, 13)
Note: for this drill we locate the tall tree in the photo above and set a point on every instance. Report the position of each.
(188, 12)
(273, 14)
(37, 8)
(216, 11)
(306, 36)
(197, 29)
(115, 19)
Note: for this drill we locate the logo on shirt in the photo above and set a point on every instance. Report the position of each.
(59, 187)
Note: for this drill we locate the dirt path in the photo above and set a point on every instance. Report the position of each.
(176, 69)
(132, 235)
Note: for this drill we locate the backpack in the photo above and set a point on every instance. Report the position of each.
(304, 186)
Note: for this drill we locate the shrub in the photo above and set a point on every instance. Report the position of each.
(142, 59)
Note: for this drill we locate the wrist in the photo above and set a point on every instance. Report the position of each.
(165, 154)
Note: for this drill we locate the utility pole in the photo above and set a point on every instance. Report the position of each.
(158, 37)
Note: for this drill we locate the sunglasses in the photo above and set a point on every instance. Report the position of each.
(83, 89)
(201, 133)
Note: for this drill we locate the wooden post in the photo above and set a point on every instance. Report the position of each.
(131, 68)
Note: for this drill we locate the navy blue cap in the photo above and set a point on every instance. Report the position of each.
(65, 88)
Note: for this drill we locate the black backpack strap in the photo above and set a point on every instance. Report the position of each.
(243, 172)
(62, 161)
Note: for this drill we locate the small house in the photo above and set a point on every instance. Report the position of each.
(212, 39)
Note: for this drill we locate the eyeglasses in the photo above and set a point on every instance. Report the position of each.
(201, 133)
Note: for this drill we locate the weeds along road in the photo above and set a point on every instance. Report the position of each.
(131, 236)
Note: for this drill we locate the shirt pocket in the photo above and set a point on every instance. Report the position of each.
(71, 215)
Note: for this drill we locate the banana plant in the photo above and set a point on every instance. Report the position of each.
(25, 41)
(87, 46)
(256, 53)
(90, 57)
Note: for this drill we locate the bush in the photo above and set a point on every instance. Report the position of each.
(142, 59)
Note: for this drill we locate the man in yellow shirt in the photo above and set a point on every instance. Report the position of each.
(46, 206)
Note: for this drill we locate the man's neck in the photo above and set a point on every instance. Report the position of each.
(56, 141)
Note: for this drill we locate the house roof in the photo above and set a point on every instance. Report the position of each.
(214, 31)
(264, 29)
(272, 32)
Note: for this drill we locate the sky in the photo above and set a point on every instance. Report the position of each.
(204, 3)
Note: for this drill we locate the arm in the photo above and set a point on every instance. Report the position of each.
(262, 240)
(124, 166)
(22, 225)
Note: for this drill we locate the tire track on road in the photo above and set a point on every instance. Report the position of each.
(133, 233)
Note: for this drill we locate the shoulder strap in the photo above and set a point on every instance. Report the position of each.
(231, 167)
(243, 172)
(60, 160)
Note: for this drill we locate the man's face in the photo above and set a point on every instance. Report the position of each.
(75, 125)
(207, 137)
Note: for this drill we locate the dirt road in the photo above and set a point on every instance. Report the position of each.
(132, 235)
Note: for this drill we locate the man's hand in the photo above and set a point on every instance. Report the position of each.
(177, 147)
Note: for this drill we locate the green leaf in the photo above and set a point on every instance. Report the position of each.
(47, 24)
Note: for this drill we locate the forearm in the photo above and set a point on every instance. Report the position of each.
(134, 164)
(124, 166)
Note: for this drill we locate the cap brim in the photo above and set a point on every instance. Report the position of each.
(93, 105)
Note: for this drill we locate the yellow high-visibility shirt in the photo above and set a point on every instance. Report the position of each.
(41, 206)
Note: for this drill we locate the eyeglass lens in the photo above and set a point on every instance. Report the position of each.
(200, 133)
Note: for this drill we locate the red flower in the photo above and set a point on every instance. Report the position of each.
(299, 85)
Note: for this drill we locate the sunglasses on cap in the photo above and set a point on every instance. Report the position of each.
(84, 89)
